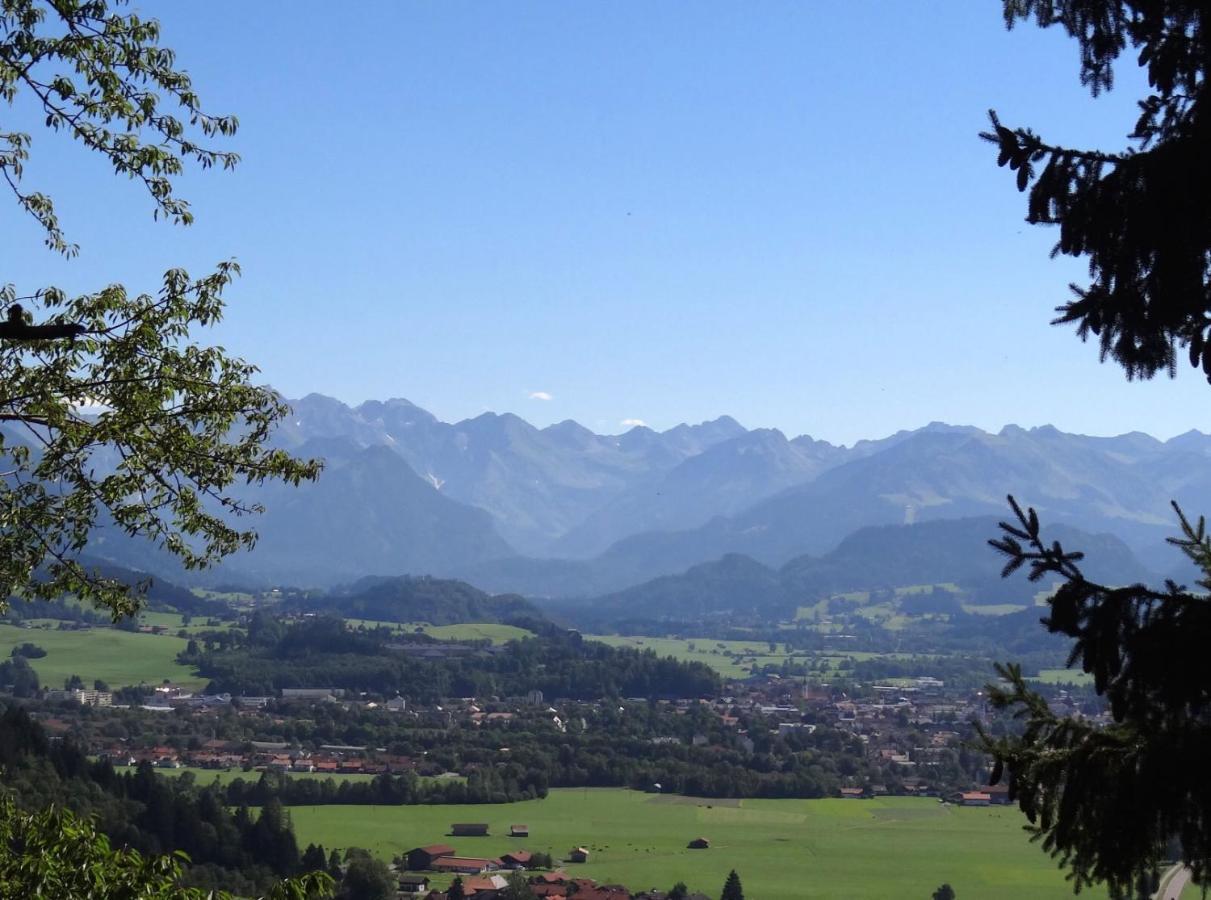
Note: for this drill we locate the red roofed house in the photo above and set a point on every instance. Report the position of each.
(423, 857)
(464, 865)
(516, 859)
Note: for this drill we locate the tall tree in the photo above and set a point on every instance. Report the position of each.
(1110, 802)
(368, 878)
(54, 853)
(113, 414)
(945, 892)
(731, 888)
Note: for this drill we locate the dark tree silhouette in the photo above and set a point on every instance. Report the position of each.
(945, 892)
(1112, 803)
(1139, 214)
(731, 888)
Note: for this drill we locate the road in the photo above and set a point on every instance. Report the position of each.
(1174, 886)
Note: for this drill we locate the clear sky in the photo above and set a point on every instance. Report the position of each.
(628, 211)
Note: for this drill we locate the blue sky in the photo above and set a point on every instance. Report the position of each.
(656, 212)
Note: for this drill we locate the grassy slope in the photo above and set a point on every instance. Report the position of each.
(734, 659)
(467, 631)
(119, 658)
(783, 849)
(722, 656)
(1064, 676)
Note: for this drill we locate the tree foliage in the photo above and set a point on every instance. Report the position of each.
(1138, 214)
(127, 423)
(367, 878)
(58, 855)
(1111, 802)
(1108, 801)
(731, 888)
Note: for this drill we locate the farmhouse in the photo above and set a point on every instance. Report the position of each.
(464, 865)
(975, 798)
(312, 693)
(413, 884)
(852, 793)
(469, 829)
(422, 858)
(516, 859)
(488, 887)
(519, 831)
(578, 855)
(998, 793)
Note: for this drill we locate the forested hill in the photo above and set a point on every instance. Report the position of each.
(951, 552)
(323, 651)
(406, 598)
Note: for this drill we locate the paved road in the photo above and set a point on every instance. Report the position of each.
(1173, 889)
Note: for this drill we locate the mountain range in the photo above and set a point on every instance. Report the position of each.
(884, 557)
(564, 512)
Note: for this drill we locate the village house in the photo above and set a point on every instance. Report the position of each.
(422, 858)
(410, 883)
(483, 886)
(464, 865)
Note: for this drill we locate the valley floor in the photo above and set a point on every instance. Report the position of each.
(782, 849)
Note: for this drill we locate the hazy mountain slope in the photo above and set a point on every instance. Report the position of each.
(721, 480)
(488, 498)
(369, 513)
(537, 483)
(940, 552)
(947, 474)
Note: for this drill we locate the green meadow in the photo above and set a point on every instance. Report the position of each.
(732, 659)
(205, 777)
(882, 849)
(466, 631)
(735, 659)
(175, 622)
(119, 658)
(1064, 676)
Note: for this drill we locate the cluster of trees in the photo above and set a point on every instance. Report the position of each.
(504, 784)
(148, 814)
(324, 652)
(17, 677)
(409, 598)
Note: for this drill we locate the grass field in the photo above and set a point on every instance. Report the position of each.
(224, 776)
(732, 659)
(175, 622)
(467, 631)
(1064, 676)
(119, 658)
(996, 609)
(783, 849)
(735, 659)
